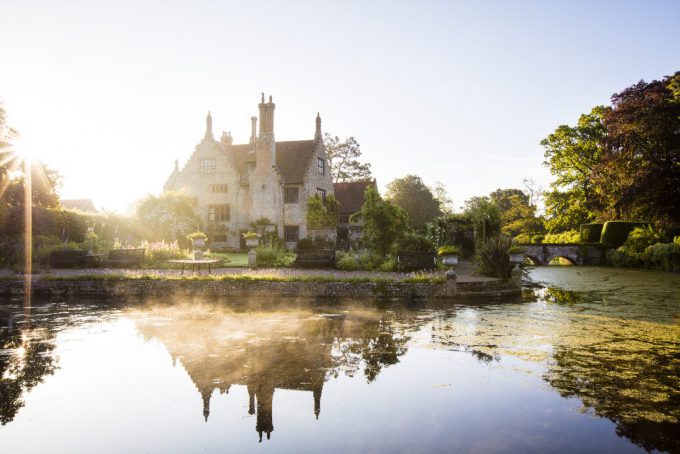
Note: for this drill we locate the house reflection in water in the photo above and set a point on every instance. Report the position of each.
(269, 350)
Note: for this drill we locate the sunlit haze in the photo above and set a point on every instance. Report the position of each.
(109, 94)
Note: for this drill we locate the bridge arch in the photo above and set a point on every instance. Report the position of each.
(571, 260)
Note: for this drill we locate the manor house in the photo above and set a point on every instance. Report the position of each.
(261, 181)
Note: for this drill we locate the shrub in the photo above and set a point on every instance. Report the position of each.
(537, 238)
(621, 258)
(590, 233)
(320, 242)
(659, 255)
(413, 242)
(640, 238)
(358, 260)
(160, 251)
(615, 233)
(267, 256)
(492, 258)
(568, 237)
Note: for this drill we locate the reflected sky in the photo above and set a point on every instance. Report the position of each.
(565, 369)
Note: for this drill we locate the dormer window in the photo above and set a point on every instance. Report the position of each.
(208, 166)
(321, 165)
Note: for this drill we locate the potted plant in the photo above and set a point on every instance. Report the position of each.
(252, 238)
(449, 254)
(197, 239)
(516, 254)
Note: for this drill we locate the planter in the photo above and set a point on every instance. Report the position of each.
(450, 259)
(252, 242)
(198, 242)
(516, 257)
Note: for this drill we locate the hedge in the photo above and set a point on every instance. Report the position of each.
(614, 233)
(590, 233)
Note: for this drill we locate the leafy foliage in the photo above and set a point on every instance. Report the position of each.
(272, 256)
(492, 258)
(384, 222)
(485, 216)
(640, 238)
(568, 237)
(343, 157)
(415, 198)
(639, 174)
(571, 153)
(169, 216)
(322, 212)
(413, 242)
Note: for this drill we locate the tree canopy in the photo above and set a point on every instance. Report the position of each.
(169, 216)
(638, 177)
(343, 158)
(415, 198)
(383, 222)
(571, 153)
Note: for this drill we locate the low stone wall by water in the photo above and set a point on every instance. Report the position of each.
(179, 287)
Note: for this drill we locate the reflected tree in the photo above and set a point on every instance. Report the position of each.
(26, 358)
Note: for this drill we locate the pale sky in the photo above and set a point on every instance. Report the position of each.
(111, 93)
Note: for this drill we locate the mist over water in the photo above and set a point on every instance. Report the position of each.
(587, 360)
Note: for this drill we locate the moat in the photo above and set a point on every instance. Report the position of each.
(588, 360)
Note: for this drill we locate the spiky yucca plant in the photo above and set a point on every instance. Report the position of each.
(492, 257)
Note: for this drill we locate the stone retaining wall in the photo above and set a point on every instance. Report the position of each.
(177, 287)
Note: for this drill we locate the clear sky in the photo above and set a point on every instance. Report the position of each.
(111, 93)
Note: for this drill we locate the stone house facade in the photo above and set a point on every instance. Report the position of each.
(263, 181)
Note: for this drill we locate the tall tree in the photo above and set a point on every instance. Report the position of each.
(169, 216)
(485, 216)
(442, 197)
(343, 158)
(413, 195)
(571, 153)
(639, 175)
(383, 222)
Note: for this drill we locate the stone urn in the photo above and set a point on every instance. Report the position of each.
(252, 242)
(516, 257)
(198, 242)
(450, 259)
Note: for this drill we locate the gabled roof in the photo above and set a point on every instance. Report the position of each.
(351, 195)
(292, 159)
(79, 204)
(240, 154)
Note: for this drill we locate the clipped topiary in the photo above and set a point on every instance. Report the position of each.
(590, 233)
(615, 233)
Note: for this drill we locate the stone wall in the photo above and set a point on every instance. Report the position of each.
(188, 287)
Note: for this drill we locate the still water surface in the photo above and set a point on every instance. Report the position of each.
(588, 360)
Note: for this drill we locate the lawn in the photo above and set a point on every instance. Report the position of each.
(231, 259)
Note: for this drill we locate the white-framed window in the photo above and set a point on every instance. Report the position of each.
(321, 165)
(219, 188)
(321, 193)
(208, 165)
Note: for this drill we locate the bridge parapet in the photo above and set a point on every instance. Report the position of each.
(578, 254)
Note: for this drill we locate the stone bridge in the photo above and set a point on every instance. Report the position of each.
(577, 254)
